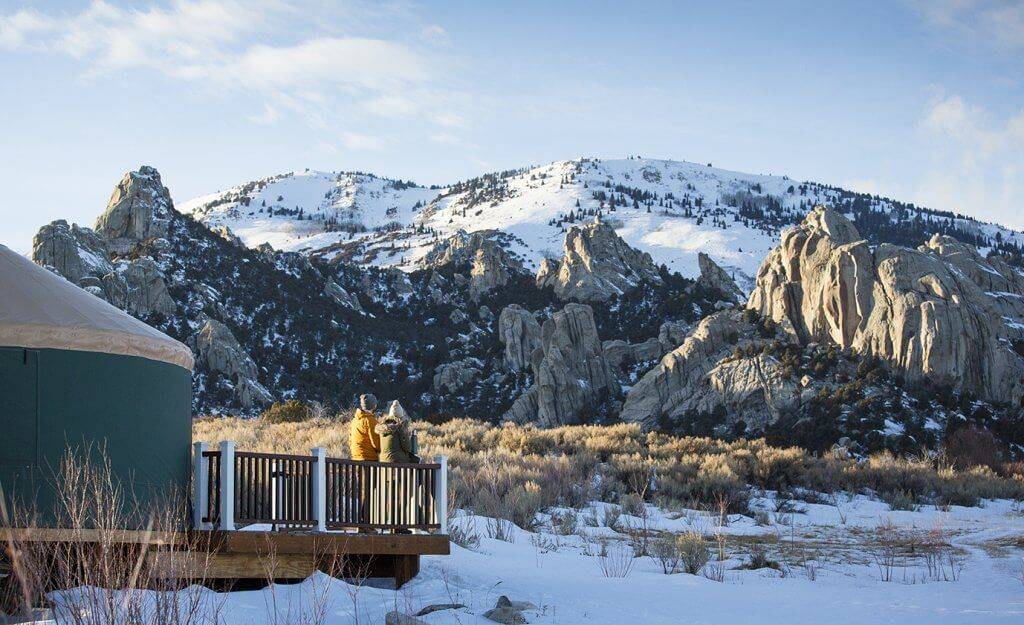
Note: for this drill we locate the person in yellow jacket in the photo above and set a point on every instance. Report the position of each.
(364, 444)
(363, 441)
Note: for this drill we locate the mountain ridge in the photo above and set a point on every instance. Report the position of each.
(670, 209)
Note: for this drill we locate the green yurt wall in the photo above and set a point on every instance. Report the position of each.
(75, 373)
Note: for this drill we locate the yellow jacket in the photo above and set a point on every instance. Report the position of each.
(363, 440)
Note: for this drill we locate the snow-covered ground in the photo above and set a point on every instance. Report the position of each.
(834, 562)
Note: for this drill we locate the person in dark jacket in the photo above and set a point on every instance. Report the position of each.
(394, 431)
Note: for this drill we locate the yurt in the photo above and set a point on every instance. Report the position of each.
(77, 372)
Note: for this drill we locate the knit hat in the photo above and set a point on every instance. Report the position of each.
(367, 402)
(395, 410)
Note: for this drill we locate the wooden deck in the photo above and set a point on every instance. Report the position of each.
(213, 556)
(260, 516)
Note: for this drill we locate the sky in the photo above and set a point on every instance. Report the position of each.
(919, 101)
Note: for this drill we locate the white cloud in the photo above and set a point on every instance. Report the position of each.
(269, 115)
(275, 50)
(392, 106)
(19, 30)
(358, 62)
(436, 35)
(359, 141)
(976, 161)
(999, 22)
(448, 119)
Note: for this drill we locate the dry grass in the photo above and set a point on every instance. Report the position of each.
(104, 579)
(513, 471)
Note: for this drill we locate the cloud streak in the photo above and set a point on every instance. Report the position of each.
(271, 49)
(989, 22)
(977, 160)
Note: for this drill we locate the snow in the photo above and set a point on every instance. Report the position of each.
(842, 584)
(522, 203)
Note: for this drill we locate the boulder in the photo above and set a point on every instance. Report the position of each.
(596, 265)
(940, 313)
(519, 332)
(437, 607)
(139, 209)
(215, 346)
(571, 374)
(400, 618)
(672, 333)
(620, 353)
(506, 616)
(225, 233)
(509, 612)
(504, 602)
(453, 376)
(617, 352)
(342, 297)
(712, 275)
(74, 252)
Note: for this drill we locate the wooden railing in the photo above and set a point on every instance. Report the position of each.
(239, 488)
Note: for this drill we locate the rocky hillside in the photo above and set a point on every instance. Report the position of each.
(268, 325)
(669, 209)
(844, 335)
(886, 344)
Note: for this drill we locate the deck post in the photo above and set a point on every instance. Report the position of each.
(200, 478)
(441, 496)
(227, 486)
(320, 488)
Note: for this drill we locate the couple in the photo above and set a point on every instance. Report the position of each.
(385, 440)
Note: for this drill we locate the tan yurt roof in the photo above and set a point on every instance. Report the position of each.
(41, 310)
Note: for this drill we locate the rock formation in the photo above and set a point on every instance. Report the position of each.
(519, 332)
(712, 275)
(453, 376)
(215, 346)
(139, 209)
(570, 372)
(83, 257)
(597, 264)
(698, 377)
(343, 297)
(138, 287)
(109, 264)
(74, 252)
(620, 353)
(488, 263)
(940, 314)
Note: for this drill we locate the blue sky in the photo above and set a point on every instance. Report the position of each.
(921, 101)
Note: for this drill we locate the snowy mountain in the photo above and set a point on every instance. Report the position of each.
(670, 209)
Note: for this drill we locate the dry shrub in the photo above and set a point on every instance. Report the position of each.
(971, 447)
(565, 523)
(665, 552)
(693, 551)
(291, 411)
(899, 500)
(100, 576)
(758, 559)
(614, 558)
(572, 465)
